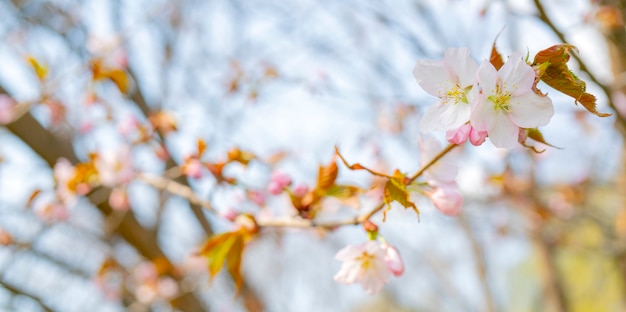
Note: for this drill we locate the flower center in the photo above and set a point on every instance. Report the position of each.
(458, 94)
(500, 99)
(366, 261)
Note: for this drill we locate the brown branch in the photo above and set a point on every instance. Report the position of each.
(16, 291)
(50, 148)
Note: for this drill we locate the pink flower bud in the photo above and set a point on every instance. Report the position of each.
(118, 200)
(477, 137)
(278, 182)
(447, 199)
(393, 260)
(459, 135)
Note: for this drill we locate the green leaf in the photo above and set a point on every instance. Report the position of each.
(342, 191)
(552, 69)
(226, 249)
(536, 135)
(395, 190)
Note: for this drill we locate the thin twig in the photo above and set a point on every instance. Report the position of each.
(17, 291)
(188, 193)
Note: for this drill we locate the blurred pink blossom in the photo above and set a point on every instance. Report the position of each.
(300, 190)
(115, 168)
(7, 109)
(278, 182)
(364, 264)
(193, 168)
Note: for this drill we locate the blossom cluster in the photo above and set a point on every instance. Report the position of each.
(479, 101)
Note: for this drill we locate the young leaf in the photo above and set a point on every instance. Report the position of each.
(342, 191)
(495, 59)
(395, 190)
(118, 76)
(552, 69)
(226, 249)
(41, 70)
(240, 156)
(326, 176)
(201, 147)
(536, 135)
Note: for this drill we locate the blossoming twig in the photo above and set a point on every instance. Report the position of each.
(187, 192)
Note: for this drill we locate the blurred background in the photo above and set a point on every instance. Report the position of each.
(286, 81)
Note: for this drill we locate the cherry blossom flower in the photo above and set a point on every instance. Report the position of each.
(300, 190)
(66, 188)
(278, 182)
(507, 102)
(364, 264)
(257, 197)
(452, 80)
(447, 199)
(115, 168)
(193, 167)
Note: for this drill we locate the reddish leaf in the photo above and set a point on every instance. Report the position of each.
(559, 53)
(495, 59)
(552, 69)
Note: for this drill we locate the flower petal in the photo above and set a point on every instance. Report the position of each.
(531, 110)
(348, 253)
(444, 116)
(487, 77)
(462, 64)
(433, 77)
(481, 115)
(502, 131)
(517, 76)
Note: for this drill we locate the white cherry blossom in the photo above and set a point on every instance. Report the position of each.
(452, 80)
(507, 102)
(364, 264)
